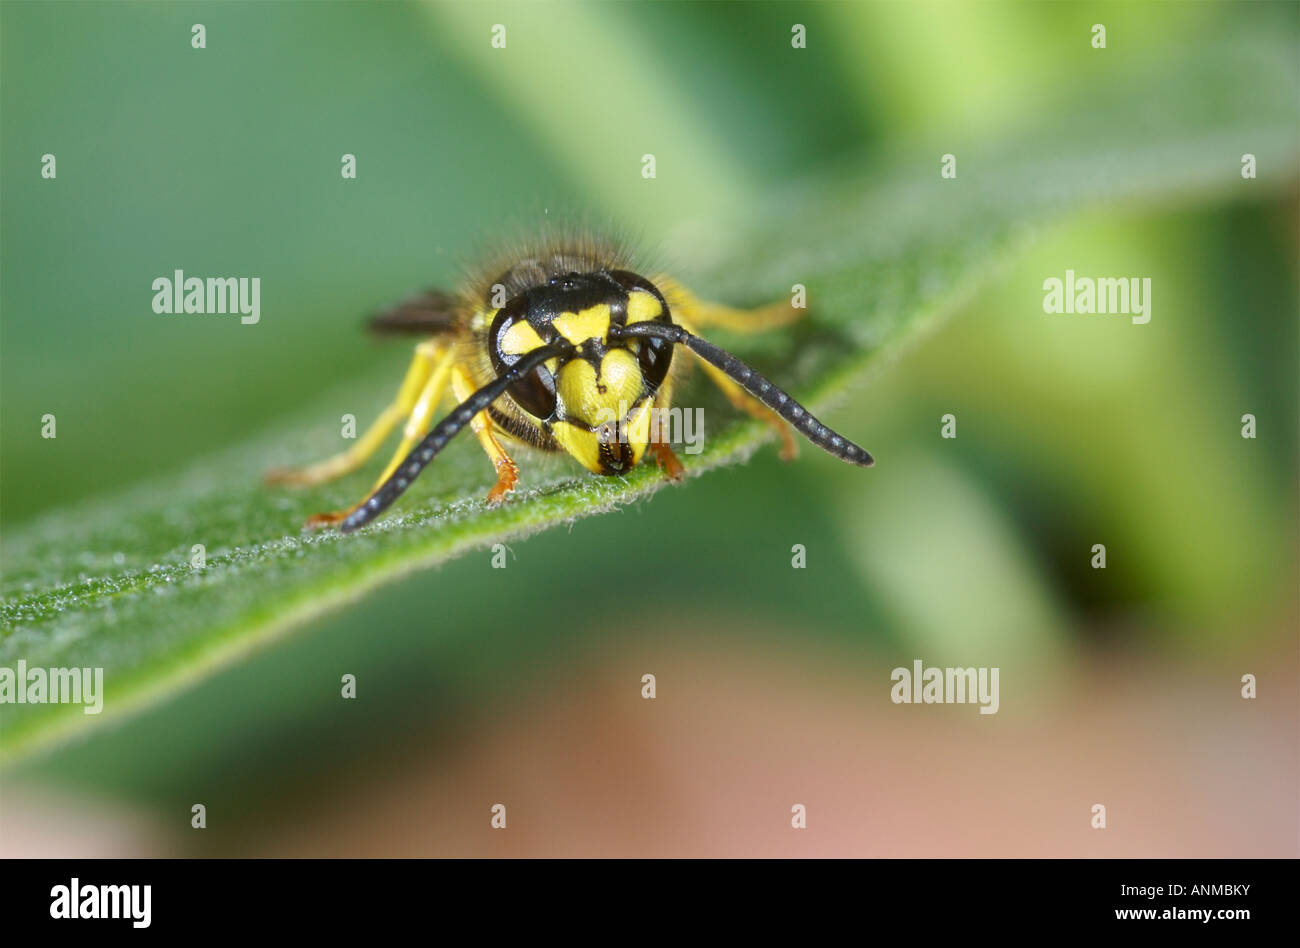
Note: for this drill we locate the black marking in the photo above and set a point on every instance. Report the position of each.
(615, 456)
(569, 293)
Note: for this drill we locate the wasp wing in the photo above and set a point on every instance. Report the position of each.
(430, 313)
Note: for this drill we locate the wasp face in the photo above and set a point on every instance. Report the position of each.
(596, 399)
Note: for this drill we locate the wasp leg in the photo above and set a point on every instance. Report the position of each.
(345, 462)
(702, 313)
(507, 472)
(744, 401)
(417, 425)
(667, 460)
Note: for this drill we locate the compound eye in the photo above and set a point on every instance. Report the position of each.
(535, 393)
(655, 356)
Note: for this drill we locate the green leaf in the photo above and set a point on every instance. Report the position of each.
(885, 248)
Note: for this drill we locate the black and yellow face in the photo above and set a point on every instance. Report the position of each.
(597, 400)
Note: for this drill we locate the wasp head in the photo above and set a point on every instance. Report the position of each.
(596, 397)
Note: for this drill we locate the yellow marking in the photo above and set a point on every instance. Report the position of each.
(576, 388)
(620, 374)
(596, 400)
(584, 445)
(642, 306)
(590, 323)
(638, 429)
(520, 338)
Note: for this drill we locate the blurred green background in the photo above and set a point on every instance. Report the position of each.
(1071, 432)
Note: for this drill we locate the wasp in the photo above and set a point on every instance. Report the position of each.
(563, 347)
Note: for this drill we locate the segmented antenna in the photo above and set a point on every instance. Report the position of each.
(765, 391)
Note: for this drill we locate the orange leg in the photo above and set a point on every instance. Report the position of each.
(507, 471)
(667, 461)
